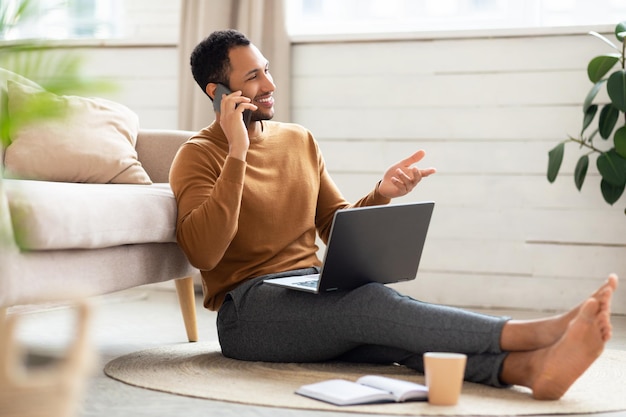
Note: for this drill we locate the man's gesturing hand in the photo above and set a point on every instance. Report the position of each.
(401, 178)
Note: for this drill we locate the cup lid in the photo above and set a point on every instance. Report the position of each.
(444, 355)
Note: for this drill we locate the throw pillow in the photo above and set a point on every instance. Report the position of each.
(93, 142)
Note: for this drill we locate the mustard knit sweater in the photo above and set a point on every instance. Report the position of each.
(241, 219)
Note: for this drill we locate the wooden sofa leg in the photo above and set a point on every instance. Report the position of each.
(187, 300)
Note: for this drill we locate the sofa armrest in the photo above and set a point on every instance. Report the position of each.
(156, 149)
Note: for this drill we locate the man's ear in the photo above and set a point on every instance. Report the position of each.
(210, 90)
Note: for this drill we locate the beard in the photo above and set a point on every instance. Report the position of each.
(259, 115)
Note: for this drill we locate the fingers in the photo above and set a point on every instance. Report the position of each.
(414, 159)
(236, 102)
(407, 179)
(402, 177)
(413, 174)
(427, 172)
(404, 181)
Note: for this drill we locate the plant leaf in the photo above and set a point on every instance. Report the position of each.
(620, 141)
(555, 158)
(11, 16)
(620, 31)
(602, 38)
(581, 171)
(589, 115)
(612, 167)
(608, 119)
(56, 73)
(592, 94)
(610, 192)
(600, 65)
(616, 87)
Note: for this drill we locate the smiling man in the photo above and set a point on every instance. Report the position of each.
(251, 201)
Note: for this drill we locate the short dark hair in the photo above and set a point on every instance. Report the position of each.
(209, 59)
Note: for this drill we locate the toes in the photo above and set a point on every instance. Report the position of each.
(606, 333)
(605, 326)
(590, 309)
(605, 298)
(607, 288)
(612, 281)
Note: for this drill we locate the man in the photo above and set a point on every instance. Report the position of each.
(250, 202)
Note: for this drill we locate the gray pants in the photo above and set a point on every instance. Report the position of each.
(370, 324)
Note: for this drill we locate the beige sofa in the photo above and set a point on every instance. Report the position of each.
(65, 240)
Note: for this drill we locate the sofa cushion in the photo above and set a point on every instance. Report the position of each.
(93, 142)
(56, 215)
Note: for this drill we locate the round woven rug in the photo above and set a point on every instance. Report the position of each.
(200, 370)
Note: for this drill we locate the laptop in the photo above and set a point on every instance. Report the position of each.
(368, 244)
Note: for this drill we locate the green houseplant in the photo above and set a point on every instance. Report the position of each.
(604, 70)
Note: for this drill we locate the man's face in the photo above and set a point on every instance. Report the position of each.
(250, 74)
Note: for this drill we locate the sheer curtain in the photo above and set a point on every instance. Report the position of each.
(262, 21)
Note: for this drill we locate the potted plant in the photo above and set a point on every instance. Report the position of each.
(610, 70)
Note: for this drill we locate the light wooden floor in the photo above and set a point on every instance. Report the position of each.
(147, 317)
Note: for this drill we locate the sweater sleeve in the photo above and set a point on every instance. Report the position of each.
(209, 202)
(330, 200)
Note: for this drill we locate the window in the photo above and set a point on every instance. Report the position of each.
(324, 17)
(63, 19)
(125, 21)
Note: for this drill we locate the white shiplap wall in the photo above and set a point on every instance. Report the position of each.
(150, 20)
(145, 78)
(486, 110)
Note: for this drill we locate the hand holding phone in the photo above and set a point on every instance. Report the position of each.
(217, 103)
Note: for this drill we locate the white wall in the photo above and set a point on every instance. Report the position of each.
(150, 20)
(145, 79)
(486, 110)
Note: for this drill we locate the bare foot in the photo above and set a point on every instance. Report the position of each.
(527, 335)
(604, 293)
(560, 365)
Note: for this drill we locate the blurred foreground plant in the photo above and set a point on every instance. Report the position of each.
(57, 70)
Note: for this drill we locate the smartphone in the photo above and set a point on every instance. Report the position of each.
(217, 103)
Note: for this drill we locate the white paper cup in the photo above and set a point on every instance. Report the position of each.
(444, 376)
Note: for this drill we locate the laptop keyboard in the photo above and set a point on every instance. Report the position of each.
(312, 283)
